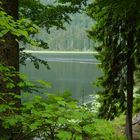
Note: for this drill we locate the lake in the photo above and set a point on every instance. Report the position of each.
(70, 71)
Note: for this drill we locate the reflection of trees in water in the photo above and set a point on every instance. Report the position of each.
(75, 77)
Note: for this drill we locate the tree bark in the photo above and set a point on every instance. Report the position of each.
(9, 56)
(9, 50)
(130, 83)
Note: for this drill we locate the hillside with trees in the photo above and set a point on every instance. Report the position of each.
(73, 38)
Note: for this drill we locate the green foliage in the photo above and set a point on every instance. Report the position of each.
(36, 61)
(50, 15)
(137, 89)
(54, 15)
(95, 105)
(115, 22)
(104, 130)
(21, 28)
(136, 102)
(47, 116)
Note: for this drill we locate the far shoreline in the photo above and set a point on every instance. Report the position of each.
(80, 52)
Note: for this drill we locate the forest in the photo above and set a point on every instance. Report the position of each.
(28, 111)
(73, 38)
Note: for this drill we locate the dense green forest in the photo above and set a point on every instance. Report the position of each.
(73, 38)
(27, 112)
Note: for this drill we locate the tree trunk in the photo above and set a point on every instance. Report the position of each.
(130, 83)
(9, 50)
(9, 56)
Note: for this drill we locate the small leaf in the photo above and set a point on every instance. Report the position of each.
(46, 84)
(64, 135)
(10, 85)
(35, 125)
(62, 120)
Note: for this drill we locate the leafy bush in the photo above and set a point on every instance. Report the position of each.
(58, 118)
(46, 116)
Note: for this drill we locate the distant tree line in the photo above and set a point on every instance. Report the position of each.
(73, 38)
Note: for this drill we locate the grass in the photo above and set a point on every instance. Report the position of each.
(119, 125)
(108, 130)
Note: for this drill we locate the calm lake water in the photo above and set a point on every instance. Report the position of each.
(70, 71)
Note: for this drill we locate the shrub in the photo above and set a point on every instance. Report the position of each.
(47, 116)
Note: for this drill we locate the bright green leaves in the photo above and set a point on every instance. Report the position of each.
(64, 135)
(89, 128)
(47, 115)
(62, 120)
(21, 33)
(21, 28)
(44, 83)
(5, 23)
(3, 32)
(55, 115)
(4, 107)
(35, 125)
(10, 85)
(12, 121)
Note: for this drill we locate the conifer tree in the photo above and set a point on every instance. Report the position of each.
(117, 30)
